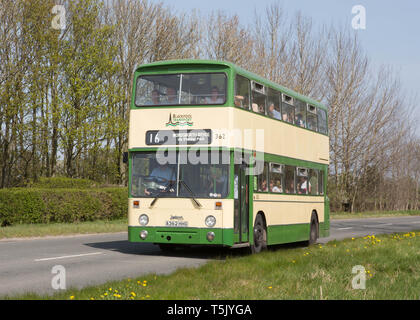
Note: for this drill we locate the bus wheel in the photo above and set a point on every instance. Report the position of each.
(167, 247)
(313, 234)
(260, 235)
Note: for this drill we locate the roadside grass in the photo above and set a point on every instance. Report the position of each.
(56, 229)
(373, 214)
(391, 262)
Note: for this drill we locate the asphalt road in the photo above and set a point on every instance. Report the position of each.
(26, 264)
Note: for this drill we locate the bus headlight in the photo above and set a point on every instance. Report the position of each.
(143, 220)
(210, 221)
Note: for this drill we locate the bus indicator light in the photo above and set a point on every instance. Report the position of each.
(136, 204)
(218, 205)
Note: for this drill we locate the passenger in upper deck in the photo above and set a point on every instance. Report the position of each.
(215, 97)
(171, 96)
(239, 101)
(155, 99)
(287, 117)
(273, 112)
(299, 120)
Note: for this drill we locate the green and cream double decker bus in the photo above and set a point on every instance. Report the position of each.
(220, 156)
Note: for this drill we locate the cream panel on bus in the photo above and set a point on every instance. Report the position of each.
(167, 209)
(232, 127)
(283, 209)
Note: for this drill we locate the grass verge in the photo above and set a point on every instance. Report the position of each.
(56, 229)
(373, 214)
(391, 262)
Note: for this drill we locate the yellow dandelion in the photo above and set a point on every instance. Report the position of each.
(71, 297)
(270, 287)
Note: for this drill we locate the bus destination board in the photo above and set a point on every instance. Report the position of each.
(178, 137)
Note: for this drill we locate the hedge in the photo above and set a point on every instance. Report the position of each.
(41, 205)
(62, 182)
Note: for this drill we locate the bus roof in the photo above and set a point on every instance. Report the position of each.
(237, 69)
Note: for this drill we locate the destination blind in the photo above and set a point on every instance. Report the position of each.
(178, 137)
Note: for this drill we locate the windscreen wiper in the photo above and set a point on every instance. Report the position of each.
(198, 204)
(171, 183)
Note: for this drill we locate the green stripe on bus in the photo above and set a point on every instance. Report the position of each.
(181, 235)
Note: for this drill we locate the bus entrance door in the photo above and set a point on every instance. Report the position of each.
(241, 217)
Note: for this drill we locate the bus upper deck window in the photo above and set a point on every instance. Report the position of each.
(258, 98)
(288, 109)
(181, 89)
(300, 113)
(242, 91)
(312, 118)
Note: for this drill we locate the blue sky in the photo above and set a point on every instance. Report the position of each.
(391, 37)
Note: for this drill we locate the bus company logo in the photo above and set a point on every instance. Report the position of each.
(177, 218)
(180, 120)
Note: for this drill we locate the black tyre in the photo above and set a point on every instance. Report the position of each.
(313, 233)
(260, 235)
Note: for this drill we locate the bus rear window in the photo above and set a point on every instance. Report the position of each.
(181, 89)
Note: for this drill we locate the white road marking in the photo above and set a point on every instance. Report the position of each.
(72, 256)
(345, 228)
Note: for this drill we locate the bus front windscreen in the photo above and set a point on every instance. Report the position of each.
(185, 174)
(181, 89)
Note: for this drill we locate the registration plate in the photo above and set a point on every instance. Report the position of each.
(177, 223)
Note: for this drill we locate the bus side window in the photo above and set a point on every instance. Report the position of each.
(300, 113)
(313, 182)
(273, 105)
(322, 121)
(289, 173)
(288, 109)
(312, 118)
(242, 90)
(302, 180)
(261, 183)
(276, 177)
(258, 98)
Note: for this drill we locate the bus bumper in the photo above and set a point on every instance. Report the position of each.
(179, 235)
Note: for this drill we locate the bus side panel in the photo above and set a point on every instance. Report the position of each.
(288, 217)
(287, 233)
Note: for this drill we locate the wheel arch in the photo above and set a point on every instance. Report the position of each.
(260, 212)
